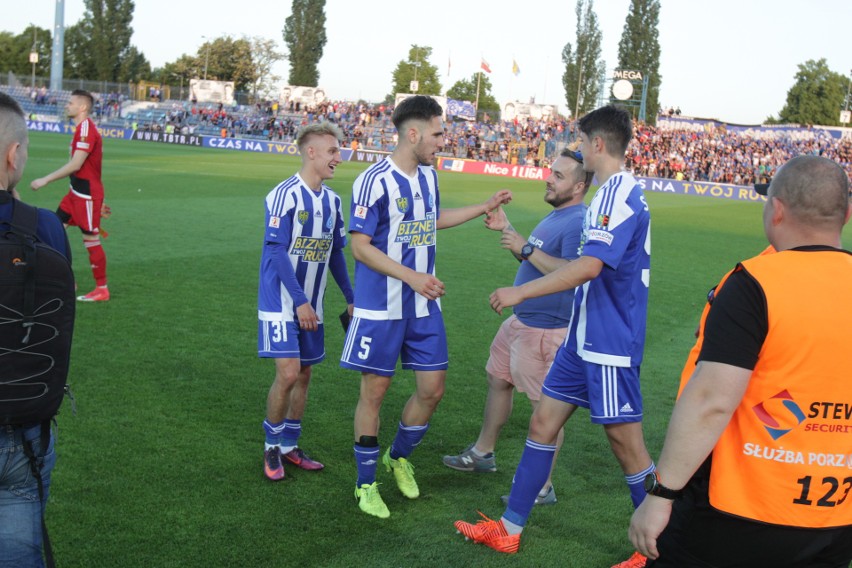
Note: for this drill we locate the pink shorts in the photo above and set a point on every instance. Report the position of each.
(522, 355)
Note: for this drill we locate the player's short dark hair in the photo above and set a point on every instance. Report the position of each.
(7, 103)
(86, 94)
(612, 124)
(418, 107)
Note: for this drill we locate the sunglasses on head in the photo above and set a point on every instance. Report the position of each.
(577, 156)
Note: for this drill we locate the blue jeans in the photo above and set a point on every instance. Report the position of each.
(20, 508)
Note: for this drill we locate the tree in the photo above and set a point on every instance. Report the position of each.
(816, 97)
(264, 54)
(304, 35)
(465, 90)
(108, 27)
(639, 49)
(134, 66)
(416, 66)
(583, 65)
(15, 51)
(77, 63)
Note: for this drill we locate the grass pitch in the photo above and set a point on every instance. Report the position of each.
(162, 465)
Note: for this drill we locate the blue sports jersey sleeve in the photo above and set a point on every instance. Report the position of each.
(337, 265)
(279, 226)
(612, 222)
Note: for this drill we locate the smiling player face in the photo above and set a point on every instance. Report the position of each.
(561, 184)
(325, 155)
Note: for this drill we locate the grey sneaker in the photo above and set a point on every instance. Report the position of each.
(548, 499)
(469, 461)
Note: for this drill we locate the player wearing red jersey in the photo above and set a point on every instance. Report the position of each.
(82, 205)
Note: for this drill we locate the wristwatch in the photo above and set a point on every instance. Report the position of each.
(526, 251)
(654, 487)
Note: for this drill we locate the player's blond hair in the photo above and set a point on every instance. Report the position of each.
(324, 128)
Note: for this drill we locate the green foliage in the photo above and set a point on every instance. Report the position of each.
(15, 51)
(228, 59)
(416, 66)
(134, 66)
(304, 35)
(77, 63)
(465, 90)
(817, 96)
(161, 466)
(583, 64)
(639, 50)
(186, 66)
(107, 24)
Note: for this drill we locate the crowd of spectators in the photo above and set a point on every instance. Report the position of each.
(703, 152)
(712, 153)
(690, 151)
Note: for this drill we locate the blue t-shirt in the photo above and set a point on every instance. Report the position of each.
(610, 311)
(400, 214)
(558, 235)
(49, 230)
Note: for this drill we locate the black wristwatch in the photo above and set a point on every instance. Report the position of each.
(654, 487)
(526, 251)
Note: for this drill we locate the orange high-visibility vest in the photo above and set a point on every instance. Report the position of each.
(786, 456)
(692, 358)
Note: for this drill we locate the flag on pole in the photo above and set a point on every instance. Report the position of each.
(515, 69)
(485, 66)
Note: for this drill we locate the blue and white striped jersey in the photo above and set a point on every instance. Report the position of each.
(400, 213)
(611, 311)
(310, 225)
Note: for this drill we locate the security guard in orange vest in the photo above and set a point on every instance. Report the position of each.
(756, 469)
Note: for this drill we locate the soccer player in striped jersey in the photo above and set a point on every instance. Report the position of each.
(82, 205)
(598, 365)
(304, 241)
(393, 222)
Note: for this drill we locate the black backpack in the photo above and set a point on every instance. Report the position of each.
(37, 307)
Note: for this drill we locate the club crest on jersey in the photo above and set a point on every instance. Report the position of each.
(431, 201)
(329, 224)
(402, 204)
(303, 217)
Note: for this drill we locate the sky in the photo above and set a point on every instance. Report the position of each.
(733, 60)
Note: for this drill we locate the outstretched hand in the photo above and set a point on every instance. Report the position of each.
(505, 298)
(496, 220)
(502, 197)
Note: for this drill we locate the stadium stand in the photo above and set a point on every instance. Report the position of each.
(688, 150)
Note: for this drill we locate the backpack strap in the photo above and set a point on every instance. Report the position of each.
(36, 463)
(25, 224)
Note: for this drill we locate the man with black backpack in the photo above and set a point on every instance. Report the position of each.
(36, 323)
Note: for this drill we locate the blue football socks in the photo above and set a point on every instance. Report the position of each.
(407, 438)
(530, 476)
(636, 483)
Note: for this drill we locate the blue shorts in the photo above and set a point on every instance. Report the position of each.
(611, 394)
(373, 346)
(284, 340)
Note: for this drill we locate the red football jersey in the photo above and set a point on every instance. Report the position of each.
(86, 182)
